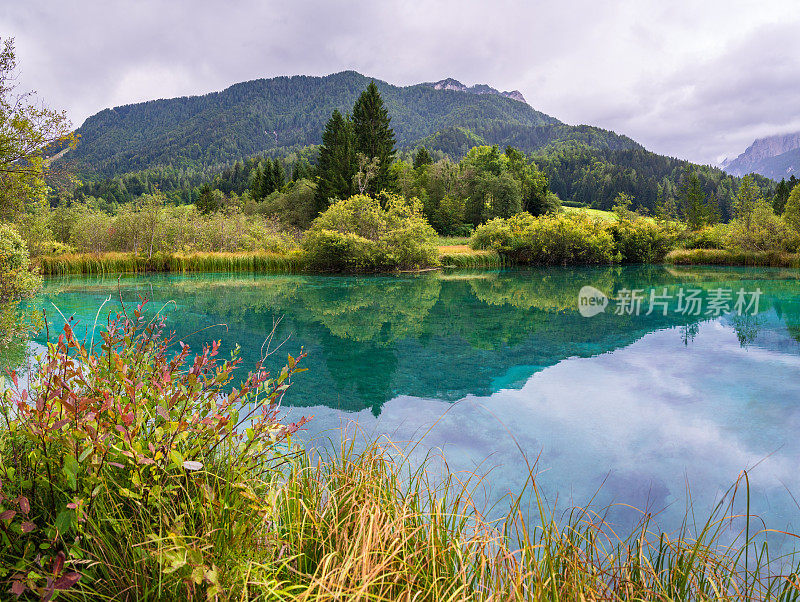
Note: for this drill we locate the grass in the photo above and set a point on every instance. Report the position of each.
(449, 241)
(461, 256)
(457, 255)
(726, 257)
(607, 216)
(115, 263)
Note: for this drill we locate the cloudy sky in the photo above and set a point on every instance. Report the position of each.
(694, 79)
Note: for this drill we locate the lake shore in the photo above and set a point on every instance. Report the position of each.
(450, 256)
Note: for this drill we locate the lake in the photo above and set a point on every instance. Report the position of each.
(680, 377)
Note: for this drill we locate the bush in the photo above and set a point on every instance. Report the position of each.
(17, 281)
(642, 241)
(548, 240)
(134, 466)
(710, 237)
(765, 231)
(362, 234)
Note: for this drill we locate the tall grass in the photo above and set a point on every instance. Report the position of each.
(357, 529)
(777, 259)
(472, 259)
(116, 263)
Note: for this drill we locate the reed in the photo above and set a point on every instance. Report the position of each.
(777, 259)
(116, 263)
(472, 260)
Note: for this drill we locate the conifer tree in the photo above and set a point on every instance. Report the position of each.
(257, 183)
(278, 175)
(336, 165)
(423, 157)
(693, 201)
(373, 137)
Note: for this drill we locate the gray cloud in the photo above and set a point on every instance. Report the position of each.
(695, 80)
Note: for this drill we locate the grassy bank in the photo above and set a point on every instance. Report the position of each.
(459, 256)
(121, 263)
(776, 259)
(138, 482)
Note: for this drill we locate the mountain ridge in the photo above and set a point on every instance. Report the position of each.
(453, 84)
(283, 114)
(775, 157)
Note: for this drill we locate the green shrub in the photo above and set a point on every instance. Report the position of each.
(710, 237)
(642, 241)
(363, 234)
(548, 240)
(17, 281)
(764, 231)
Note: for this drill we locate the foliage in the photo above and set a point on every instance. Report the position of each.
(28, 130)
(17, 281)
(150, 227)
(557, 240)
(366, 234)
(136, 469)
(337, 162)
(575, 238)
(759, 229)
(792, 209)
(373, 138)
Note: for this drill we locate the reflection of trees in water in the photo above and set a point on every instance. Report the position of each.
(431, 335)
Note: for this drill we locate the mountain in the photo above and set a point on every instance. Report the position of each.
(775, 157)
(283, 114)
(457, 86)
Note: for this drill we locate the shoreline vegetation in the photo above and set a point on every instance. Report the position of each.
(148, 475)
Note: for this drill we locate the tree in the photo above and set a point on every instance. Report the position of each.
(747, 198)
(422, 158)
(792, 212)
(256, 185)
(337, 162)
(373, 136)
(536, 197)
(782, 191)
(278, 175)
(207, 202)
(28, 132)
(693, 201)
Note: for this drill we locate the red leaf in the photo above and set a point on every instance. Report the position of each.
(7, 515)
(161, 411)
(24, 504)
(28, 526)
(58, 563)
(66, 581)
(17, 587)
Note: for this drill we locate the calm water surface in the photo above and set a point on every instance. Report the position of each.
(491, 365)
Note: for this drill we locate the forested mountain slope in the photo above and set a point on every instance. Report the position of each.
(286, 113)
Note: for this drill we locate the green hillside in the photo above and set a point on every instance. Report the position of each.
(283, 114)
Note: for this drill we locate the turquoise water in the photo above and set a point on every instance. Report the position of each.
(488, 366)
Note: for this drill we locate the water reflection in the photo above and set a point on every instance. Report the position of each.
(638, 404)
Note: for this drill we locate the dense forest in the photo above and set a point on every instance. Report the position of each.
(226, 142)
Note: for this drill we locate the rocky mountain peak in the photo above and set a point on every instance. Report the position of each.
(455, 85)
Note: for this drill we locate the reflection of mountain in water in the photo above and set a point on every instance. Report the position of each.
(437, 335)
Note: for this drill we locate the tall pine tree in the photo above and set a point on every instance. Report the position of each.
(373, 137)
(336, 165)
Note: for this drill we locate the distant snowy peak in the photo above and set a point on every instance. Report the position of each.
(457, 86)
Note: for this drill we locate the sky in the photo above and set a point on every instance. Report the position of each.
(694, 79)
